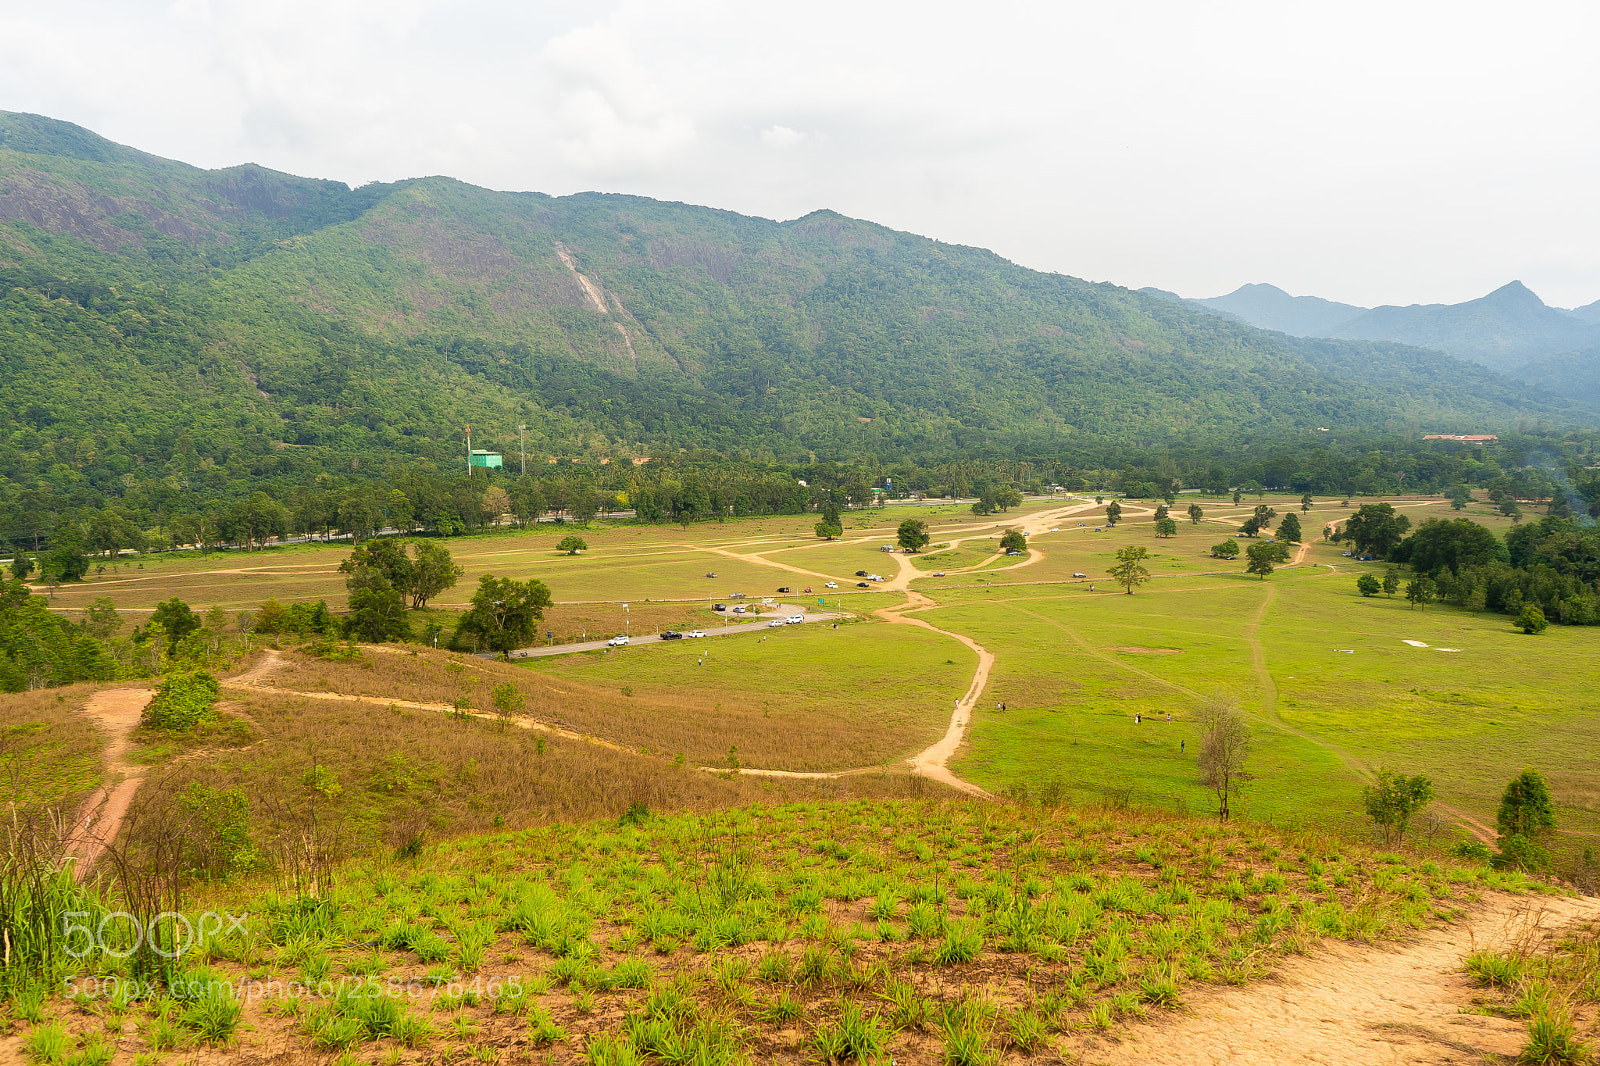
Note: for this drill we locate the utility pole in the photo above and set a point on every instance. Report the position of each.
(522, 446)
(469, 449)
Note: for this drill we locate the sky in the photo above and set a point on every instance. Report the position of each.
(1373, 153)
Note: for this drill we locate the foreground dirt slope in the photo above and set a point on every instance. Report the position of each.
(1351, 1005)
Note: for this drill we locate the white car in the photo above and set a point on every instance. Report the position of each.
(617, 642)
(938, 573)
(1055, 529)
(874, 577)
(776, 623)
(739, 609)
(831, 585)
(796, 619)
(694, 633)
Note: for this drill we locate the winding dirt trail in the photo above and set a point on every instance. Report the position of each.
(116, 711)
(1357, 1005)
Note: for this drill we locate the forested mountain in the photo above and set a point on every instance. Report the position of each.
(1269, 307)
(210, 331)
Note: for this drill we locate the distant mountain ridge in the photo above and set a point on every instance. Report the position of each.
(1510, 330)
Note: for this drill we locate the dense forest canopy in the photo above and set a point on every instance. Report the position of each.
(225, 355)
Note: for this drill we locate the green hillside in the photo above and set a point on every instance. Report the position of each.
(162, 323)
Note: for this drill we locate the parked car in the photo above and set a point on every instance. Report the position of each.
(671, 634)
(720, 607)
(694, 633)
(887, 548)
(796, 619)
(1055, 529)
(776, 623)
(617, 642)
(874, 577)
(835, 584)
(1097, 529)
(735, 595)
(1080, 575)
(783, 588)
(739, 609)
(938, 573)
(711, 573)
(861, 573)
(862, 585)
(808, 588)
(1013, 553)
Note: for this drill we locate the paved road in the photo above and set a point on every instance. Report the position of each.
(780, 611)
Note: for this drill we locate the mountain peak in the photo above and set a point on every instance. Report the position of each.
(40, 135)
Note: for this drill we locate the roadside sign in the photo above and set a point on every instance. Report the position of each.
(819, 601)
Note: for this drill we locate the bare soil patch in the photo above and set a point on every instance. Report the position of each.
(1134, 649)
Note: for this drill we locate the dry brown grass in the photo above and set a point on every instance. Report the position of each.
(49, 751)
(786, 731)
(403, 772)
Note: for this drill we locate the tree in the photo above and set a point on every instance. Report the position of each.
(175, 617)
(1251, 527)
(505, 613)
(508, 699)
(1007, 497)
(1453, 544)
(1113, 512)
(1368, 585)
(1421, 591)
(1459, 497)
(527, 502)
(1393, 800)
(1375, 529)
(1289, 528)
(1391, 581)
(1196, 513)
(1161, 512)
(377, 608)
(100, 618)
(66, 560)
(1166, 527)
(432, 573)
(572, 545)
(1224, 747)
(1228, 549)
(1305, 502)
(1237, 496)
(495, 505)
(1129, 571)
(1527, 814)
(1532, 619)
(21, 565)
(831, 527)
(1261, 558)
(913, 535)
(1012, 540)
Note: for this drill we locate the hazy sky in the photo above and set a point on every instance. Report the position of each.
(1376, 153)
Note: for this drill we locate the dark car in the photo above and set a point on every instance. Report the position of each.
(711, 573)
(862, 585)
(861, 573)
(784, 588)
(720, 607)
(671, 634)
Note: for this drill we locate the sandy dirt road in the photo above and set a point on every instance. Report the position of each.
(116, 711)
(1355, 1005)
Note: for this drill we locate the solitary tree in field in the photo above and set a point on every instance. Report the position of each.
(1237, 496)
(830, 528)
(1305, 502)
(1261, 558)
(1532, 620)
(1527, 815)
(1012, 540)
(1228, 549)
(1113, 512)
(1224, 747)
(1368, 585)
(1162, 511)
(1289, 528)
(1196, 513)
(1391, 581)
(1129, 571)
(1393, 801)
(572, 545)
(913, 534)
(1166, 527)
(508, 700)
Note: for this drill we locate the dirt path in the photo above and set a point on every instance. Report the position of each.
(116, 711)
(1356, 1005)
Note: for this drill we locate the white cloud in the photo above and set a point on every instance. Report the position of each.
(1366, 151)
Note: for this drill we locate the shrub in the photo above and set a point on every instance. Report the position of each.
(1532, 619)
(183, 702)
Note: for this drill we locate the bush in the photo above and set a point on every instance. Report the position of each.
(1471, 850)
(1517, 852)
(572, 545)
(1532, 619)
(183, 702)
(1368, 585)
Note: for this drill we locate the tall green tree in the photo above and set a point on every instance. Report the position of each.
(1375, 529)
(1289, 528)
(433, 571)
(1113, 513)
(913, 535)
(505, 613)
(1394, 800)
(1129, 570)
(1196, 512)
(1012, 540)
